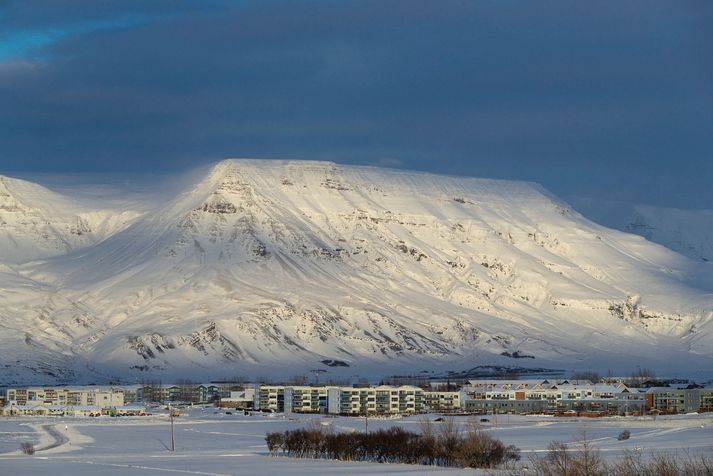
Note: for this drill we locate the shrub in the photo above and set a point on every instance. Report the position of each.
(661, 464)
(27, 448)
(448, 442)
(555, 463)
(274, 442)
(581, 459)
(446, 447)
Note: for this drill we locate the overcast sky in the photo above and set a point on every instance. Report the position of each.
(591, 98)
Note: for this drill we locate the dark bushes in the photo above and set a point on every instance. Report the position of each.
(27, 448)
(479, 450)
(274, 442)
(446, 447)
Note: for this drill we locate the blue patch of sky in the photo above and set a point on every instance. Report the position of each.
(29, 44)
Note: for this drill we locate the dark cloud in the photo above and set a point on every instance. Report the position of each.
(584, 97)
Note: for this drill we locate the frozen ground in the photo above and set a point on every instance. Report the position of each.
(210, 443)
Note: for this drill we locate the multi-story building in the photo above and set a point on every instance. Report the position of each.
(486, 396)
(304, 399)
(186, 393)
(395, 400)
(351, 400)
(437, 401)
(384, 399)
(85, 401)
(679, 400)
(88, 396)
(239, 399)
(706, 400)
(478, 396)
(270, 398)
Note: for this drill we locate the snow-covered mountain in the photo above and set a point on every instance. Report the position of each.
(689, 232)
(37, 223)
(272, 268)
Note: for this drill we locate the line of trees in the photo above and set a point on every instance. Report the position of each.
(448, 446)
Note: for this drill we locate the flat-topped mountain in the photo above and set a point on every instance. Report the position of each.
(271, 267)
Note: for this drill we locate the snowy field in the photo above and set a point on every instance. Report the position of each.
(210, 443)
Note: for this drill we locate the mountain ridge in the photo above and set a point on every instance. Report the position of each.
(274, 266)
(37, 223)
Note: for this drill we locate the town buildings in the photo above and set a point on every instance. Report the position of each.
(92, 396)
(383, 399)
(556, 397)
(671, 400)
(538, 396)
(79, 401)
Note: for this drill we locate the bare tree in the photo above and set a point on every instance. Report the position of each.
(640, 376)
(448, 440)
(579, 459)
(186, 391)
(274, 442)
(590, 375)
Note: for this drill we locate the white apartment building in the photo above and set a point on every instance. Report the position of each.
(87, 397)
(443, 401)
(270, 398)
(304, 399)
(546, 395)
(383, 399)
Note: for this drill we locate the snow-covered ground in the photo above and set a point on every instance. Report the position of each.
(210, 443)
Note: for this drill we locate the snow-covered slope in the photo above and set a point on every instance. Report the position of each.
(36, 222)
(270, 268)
(689, 232)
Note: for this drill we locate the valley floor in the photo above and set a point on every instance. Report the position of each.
(215, 443)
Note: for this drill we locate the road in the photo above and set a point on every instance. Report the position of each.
(59, 437)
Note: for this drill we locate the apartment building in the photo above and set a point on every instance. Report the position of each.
(187, 393)
(87, 396)
(383, 399)
(519, 396)
(673, 400)
(364, 400)
(270, 398)
(239, 399)
(305, 399)
(351, 400)
(404, 399)
(477, 396)
(443, 401)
